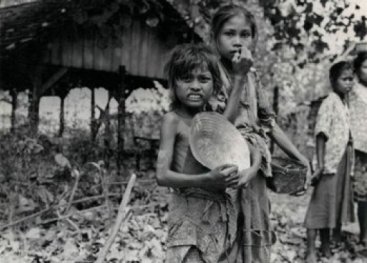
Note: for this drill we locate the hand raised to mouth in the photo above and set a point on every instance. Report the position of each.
(242, 61)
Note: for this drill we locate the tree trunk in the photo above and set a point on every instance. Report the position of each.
(276, 111)
(121, 118)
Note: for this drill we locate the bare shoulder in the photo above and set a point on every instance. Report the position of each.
(170, 122)
(171, 119)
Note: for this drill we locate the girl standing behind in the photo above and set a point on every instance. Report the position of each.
(331, 202)
(234, 34)
(201, 218)
(358, 122)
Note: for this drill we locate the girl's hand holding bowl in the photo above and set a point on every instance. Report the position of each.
(224, 176)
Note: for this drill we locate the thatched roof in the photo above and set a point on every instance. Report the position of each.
(35, 20)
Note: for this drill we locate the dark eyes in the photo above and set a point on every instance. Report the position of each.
(244, 34)
(229, 33)
(203, 79)
(186, 78)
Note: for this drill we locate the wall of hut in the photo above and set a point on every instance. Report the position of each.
(138, 49)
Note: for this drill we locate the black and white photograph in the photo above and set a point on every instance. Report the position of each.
(183, 131)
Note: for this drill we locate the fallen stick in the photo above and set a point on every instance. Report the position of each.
(72, 194)
(120, 216)
(139, 181)
(26, 218)
(53, 207)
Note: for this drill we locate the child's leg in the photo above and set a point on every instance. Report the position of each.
(337, 233)
(362, 218)
(325, 242)
(311, 247)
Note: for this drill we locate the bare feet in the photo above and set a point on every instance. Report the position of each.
(325, 251)
(363, 241)
(311, 257)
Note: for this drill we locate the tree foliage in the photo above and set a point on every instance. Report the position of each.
(299, 23)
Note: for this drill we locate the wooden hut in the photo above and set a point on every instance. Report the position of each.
(50, 46)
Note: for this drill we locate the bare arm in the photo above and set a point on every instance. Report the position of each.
(320, 153)
(320, 150)
(218, 178)
(246, 175)
(282, 140)
(233, 102)
(241, 64)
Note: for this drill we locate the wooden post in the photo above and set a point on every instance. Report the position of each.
(120, 117)
(33, 110)
(62, 115)
(34, 99)
(14, 105)
(107, 135)
(93, 116)
(276, 111)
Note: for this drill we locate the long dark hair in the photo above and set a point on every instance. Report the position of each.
(225, 13)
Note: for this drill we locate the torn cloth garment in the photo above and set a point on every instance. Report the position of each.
(255, 118)
(201, 224)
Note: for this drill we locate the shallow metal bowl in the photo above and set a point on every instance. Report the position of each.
(214, 141)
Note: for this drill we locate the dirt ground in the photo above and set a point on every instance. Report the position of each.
(80, 237)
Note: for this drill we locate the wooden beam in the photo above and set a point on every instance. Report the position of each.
(53, 79)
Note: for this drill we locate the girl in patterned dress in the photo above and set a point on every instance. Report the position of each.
(358, 122)
(201, 221)
(243, 102)
(331, 203)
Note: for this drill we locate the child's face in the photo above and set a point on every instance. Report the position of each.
(234, 35)
(195, 89)
(362, 72)
(344, 83)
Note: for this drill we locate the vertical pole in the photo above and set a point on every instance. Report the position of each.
(33, 110)
(62, 115)
(107, 136)
(93, 115)
(34, 99)
(14, 105)
(276, 111)
(121, 118)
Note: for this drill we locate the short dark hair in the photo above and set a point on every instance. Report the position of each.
(337, 69)
(188, 57)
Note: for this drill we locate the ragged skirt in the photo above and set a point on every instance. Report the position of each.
(332, 199)
(201, 226)
(254, 235)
